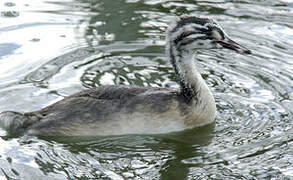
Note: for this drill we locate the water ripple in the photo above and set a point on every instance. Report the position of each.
(123, 43)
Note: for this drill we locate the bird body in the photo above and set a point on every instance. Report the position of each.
(111, 110)
(115, 110)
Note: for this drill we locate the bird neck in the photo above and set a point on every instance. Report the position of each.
(189, 78)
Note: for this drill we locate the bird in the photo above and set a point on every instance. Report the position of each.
(120, 109)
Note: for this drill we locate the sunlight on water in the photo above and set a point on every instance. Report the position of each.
(51, 49)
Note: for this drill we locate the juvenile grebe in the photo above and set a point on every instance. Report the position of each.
(114, 110)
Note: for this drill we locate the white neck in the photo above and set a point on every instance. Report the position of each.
(189, 78)
(193, 87)
(188, 71)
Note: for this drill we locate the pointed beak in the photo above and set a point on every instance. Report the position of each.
(230, 44)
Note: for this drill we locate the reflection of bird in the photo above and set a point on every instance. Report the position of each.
(110, 110)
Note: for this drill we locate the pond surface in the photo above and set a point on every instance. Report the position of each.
(51, 49)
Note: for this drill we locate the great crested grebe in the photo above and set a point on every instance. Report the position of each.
(115, 110)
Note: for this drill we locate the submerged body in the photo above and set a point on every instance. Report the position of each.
(114, 110)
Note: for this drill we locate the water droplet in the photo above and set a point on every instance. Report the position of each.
(35, 40)
(9, 4)
(9, 14)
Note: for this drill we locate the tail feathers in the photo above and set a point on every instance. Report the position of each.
(12, 121)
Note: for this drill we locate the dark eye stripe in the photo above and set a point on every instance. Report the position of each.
(185, 34)
(185, 42)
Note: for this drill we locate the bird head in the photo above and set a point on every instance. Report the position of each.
(191, 33)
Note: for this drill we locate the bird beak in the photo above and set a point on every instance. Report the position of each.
(230, 44)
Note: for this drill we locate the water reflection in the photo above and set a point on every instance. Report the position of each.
(135, 156)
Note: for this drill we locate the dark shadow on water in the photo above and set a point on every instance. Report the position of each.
(185, 145)
(179, 145)
(200, 136)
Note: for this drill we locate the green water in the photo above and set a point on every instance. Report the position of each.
(51, 49)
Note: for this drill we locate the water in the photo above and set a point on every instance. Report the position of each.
(51, 49)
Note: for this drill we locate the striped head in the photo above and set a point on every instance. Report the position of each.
(191, 33)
